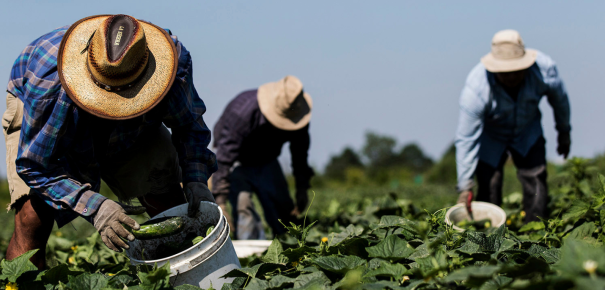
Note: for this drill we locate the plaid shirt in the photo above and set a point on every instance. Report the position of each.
(57, 150)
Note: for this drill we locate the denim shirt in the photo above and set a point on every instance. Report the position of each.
(491, 122)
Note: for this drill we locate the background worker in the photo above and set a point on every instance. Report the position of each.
(499, 115)
(248, 139)
(78, 111)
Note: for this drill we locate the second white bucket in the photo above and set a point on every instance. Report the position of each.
(204, 263)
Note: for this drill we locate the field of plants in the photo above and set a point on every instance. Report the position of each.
(389, 237)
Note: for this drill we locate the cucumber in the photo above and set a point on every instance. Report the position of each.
(159, 228)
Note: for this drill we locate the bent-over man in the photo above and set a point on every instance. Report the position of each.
(88, 102)
(500, 117)
(248, 139)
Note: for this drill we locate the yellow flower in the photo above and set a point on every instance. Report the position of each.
(59, 234)
(12, 286)
(522, 213)
(406, 278)
(508, 222)
(71, 260)
(74, 248)
(109, 274)
(590, 266)
(295, 264)
(324, 239)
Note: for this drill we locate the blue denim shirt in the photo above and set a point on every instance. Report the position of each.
(491, 122)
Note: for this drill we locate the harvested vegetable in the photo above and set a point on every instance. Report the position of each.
(159, 228)
(475, 225)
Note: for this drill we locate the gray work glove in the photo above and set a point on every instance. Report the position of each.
(196, 192)
(108, 219)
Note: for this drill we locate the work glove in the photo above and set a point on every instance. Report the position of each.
(107, 220)
(196, 192)
(563, 144)
(466, 197)
(302, 199)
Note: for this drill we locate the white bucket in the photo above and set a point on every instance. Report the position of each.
(203, 263)
(481, 210)
(247, 248)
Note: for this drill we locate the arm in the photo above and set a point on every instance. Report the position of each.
(299, 148)
(470, 128)
(46, 131)
(190, 135)
(557, 98)
(230, 131)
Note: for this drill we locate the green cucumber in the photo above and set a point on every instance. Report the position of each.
(210, 229)
(159, 228)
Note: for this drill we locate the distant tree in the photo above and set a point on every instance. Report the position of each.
(379, 150)
(444, 172)
(338, 164)
(411, 156)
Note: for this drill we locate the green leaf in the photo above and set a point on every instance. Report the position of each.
(338, 264)
(156, 278)
(237, 283)
(119, 281)
(14, 268)
(187, 287)
(294, 254)
(478, 272)
(318, 279)
(578, 208)
(392, 248)
(582, 232)
(58, 273)
(387, 269)
(532, 226)
(87, 281)
(273, 253)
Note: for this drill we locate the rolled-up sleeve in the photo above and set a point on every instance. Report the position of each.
(190, 134)
(470, 128)
(557, 98)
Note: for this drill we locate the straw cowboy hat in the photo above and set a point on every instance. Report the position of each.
(115, 66)
(285, 104)
(508, 53)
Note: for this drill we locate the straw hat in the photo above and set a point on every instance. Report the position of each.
(508, 53)
(115, 66)
(285, 104)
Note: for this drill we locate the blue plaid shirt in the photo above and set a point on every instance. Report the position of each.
(57, 154)
(492, 122)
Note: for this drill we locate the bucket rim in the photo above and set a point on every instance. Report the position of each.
(496, 209)
(166, 259)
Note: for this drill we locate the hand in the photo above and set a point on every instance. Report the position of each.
(563, 144)
(302, 199)
(196, 192)
(466, 197)
(107, 221)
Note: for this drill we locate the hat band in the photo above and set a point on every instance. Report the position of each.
(109, 88)
(507, 51)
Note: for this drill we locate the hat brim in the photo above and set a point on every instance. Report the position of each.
(267, 95)
(128, 103)
(495, 65)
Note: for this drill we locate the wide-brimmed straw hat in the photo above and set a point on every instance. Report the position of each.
(508, 53)
(285, 104)
(115, 66)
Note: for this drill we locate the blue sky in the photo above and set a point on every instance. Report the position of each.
(394, 67)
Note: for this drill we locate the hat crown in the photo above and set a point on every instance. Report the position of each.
(117, 53)
(292, 90)
(508, 44)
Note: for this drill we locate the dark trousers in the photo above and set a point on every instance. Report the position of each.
(531, 172)
(270, 186)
